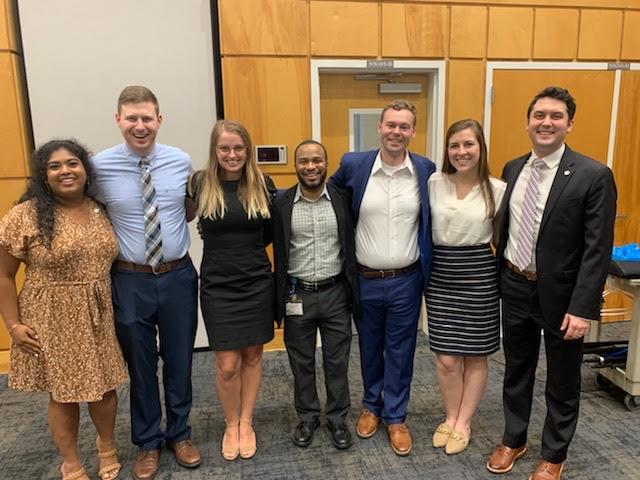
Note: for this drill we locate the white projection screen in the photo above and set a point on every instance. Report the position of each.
(79, 54)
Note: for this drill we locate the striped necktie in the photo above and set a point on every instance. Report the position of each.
(152, 236)
(528, 218)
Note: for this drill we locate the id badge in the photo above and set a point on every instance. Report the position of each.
(294, 308)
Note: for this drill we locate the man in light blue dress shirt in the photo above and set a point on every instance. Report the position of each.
(150, 302)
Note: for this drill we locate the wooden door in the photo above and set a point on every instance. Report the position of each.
(340, 92)
(514, 89)
(626, 160)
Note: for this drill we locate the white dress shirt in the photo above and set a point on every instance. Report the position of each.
(547, 174)
(461, 222)
(387, 230)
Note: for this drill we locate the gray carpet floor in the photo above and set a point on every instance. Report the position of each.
(606, 445)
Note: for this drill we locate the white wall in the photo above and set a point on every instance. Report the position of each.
(79, 54)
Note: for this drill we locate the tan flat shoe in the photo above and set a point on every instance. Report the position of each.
(457, 443)
(441, 435)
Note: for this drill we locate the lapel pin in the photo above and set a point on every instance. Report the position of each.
(567, 172)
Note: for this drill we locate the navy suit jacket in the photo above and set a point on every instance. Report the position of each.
(573, 250)
(353, 175)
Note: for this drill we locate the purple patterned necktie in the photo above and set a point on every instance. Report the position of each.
(528, 220)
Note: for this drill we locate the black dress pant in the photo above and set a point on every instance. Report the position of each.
(522, 322)
(327, 310)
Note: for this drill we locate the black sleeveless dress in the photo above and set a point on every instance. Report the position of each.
(237, 289)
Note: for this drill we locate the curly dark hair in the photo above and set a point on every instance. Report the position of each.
(39, 189)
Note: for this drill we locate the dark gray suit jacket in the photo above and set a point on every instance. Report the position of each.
(573, 250)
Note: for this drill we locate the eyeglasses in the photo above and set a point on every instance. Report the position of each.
(226, 150)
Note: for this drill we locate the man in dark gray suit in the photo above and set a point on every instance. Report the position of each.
(316, 290)
(555, 245)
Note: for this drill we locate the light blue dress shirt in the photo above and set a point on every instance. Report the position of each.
(117, 185)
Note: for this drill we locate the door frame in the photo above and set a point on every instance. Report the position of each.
(434, 69)
(598, 66)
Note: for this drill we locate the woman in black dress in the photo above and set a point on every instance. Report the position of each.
(236, 283)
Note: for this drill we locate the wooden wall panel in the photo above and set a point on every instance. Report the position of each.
(414, 30)
(631, 36)
(626, 166)
(7, 33)
(276, 27)
(600, 35)
(344, 29)
(556, 34)
(468, 32)
(510, 33)
(465, 90)
(271, 97)
(12, 120)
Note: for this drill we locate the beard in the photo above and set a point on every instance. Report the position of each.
(316, 184)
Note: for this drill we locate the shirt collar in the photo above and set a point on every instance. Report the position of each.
(406, 164)
(552, 160)
(298, 195)
(135, 157)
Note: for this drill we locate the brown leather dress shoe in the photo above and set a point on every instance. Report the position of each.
(547, 471)
(146, 465)
(367, 424)
(186, 452)
(400, 439)
(503, 458)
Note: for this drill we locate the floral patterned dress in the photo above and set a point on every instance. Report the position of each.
(66, 299)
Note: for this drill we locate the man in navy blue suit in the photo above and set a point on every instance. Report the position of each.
(390, 207)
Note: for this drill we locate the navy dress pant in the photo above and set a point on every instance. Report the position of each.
(387, 330)
(149, 308)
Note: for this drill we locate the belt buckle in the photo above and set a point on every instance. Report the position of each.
(155, 270)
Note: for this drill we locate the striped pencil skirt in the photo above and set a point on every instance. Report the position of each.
(462, 301)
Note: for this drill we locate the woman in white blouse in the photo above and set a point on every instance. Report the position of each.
(462, 296)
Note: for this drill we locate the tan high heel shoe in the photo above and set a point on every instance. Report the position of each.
(230, 450)
(248, 446)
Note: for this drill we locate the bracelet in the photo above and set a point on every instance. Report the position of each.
(12, 328)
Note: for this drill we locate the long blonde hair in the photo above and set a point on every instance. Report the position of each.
(252, 191)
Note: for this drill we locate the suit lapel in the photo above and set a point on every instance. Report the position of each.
(421, 173)
(287, 208)
(510, 176)
(362, 178)
(560, 181)
(339, 214)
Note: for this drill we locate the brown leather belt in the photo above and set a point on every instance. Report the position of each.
(370, 273)
(529, 275)
(162, 268)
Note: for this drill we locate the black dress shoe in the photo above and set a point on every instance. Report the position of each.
(340, 435)
(303, 435)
